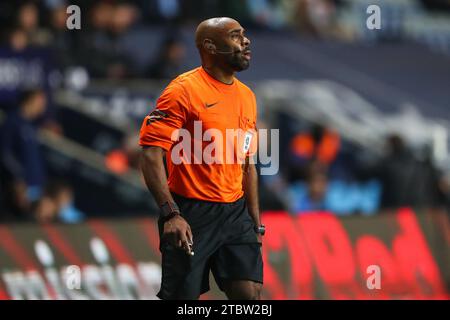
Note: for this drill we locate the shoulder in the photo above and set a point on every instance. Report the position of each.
(189, 75)
(178, 90)
(245, 89)
(186, 80)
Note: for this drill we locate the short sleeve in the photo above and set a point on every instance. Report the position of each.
(171, 113)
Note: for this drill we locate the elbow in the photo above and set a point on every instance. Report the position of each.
(151, 155)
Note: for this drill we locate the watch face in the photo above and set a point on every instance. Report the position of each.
(261, 230)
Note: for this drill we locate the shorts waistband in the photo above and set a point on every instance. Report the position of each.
(184, 199)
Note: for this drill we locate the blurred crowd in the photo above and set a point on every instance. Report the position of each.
(322, 172)
(26, 192)
(317, 170)
(107, 43)
(102, 44)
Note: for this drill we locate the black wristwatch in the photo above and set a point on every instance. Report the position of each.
(260, 229)
(169, 210)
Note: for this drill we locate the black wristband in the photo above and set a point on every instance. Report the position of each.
(169, 210)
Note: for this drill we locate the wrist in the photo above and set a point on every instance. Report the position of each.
(169, 210)
(260, 229)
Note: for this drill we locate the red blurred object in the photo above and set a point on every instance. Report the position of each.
(117, 162)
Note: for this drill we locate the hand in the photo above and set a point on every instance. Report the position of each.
(178, 232)
(259, 232)
(259, 238)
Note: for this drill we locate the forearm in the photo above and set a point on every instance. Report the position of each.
(175, 229)
(152, 166)
(250, 185)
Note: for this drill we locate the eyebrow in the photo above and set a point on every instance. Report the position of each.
(237, 30)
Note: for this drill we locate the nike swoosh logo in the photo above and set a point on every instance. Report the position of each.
(209, 105)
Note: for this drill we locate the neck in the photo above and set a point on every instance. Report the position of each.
(220, 74)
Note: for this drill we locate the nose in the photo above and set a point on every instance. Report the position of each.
(246, 42)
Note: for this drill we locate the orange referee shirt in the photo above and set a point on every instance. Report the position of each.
(192, 97)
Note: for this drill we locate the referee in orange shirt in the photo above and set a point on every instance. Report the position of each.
(209, 217)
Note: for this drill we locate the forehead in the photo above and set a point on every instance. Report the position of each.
(230, 26)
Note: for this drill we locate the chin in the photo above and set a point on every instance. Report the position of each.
(243, 67)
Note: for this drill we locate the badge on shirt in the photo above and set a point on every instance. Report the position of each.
(247, 141)
(156, 115)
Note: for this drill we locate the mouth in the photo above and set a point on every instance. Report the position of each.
(247, 54)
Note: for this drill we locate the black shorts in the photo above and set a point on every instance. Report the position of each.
(225, 242)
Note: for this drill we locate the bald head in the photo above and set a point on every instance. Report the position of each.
(213, 29)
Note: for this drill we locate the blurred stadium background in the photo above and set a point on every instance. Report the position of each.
(364, 120)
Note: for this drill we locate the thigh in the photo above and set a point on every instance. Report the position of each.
(242, 289)
(179, 279)
(240, 263)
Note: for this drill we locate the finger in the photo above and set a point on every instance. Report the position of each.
(191, 251)
(185, 243)
(187, 248)
(179, 244)
(190, 237)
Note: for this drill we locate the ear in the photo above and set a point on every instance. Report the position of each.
(209, 46)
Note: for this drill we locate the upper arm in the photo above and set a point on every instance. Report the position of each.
(171, 113)
(152, 154)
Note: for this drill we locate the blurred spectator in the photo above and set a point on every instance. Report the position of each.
(316, 18)
(22, 167)
(170, 62)
(57, 204)
(405, 180)
(268, 13)
(44, 210)
(121, 160)
(17, 40)
(26, 68)
(61, 193)
(157, 11)
(116, 161)
(62, 41)
(313, 198)
(124, 16)
(396, 173)
(102, 49)
(336, 196)
(318, 147)
(28, 20)
(101, 15)
(431, 186)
